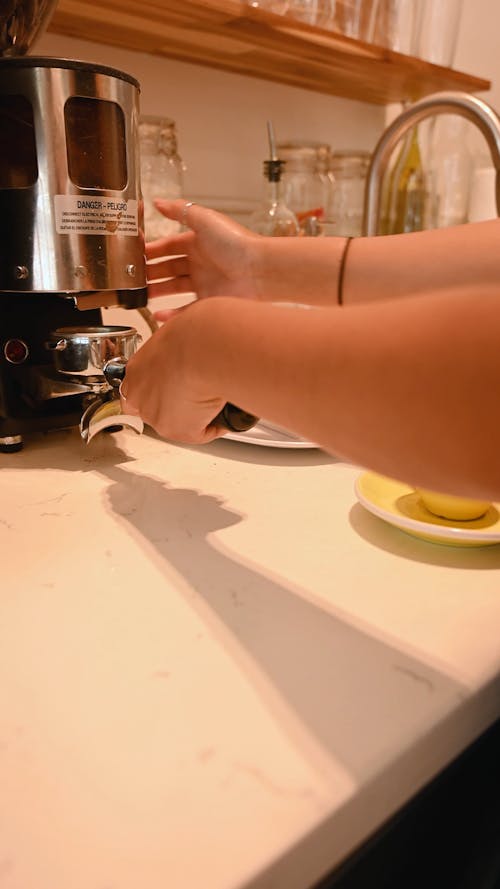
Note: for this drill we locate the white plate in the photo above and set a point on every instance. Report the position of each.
(400, 505)
(270, 436)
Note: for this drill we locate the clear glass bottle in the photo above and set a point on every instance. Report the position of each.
(405, 197)
(274, 218)
(162, 172)
(349, 169)
(304, 188)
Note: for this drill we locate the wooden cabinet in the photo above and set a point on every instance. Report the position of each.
(233, 36)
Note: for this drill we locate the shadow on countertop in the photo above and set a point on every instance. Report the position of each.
(392, 540)
(243, 452)
(304, 653)
(305, 662)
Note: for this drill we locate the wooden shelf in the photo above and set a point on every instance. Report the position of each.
(232, 36)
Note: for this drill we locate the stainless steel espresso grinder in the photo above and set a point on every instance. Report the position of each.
(71, 232)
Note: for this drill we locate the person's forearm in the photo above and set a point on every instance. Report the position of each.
(400, 265)
(298, 270)
(307, 269)
(408, 389)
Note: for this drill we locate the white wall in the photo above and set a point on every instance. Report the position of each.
(221, 117)
(478, 52)
(478, 48)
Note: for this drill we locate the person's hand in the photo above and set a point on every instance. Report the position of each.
(168, 382)
(215, 257)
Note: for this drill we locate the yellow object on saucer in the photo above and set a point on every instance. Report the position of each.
(450, 507)
(401, 505)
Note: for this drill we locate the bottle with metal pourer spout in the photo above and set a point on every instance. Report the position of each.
(274, 218)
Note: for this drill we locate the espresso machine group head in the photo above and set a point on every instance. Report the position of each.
(71, 221)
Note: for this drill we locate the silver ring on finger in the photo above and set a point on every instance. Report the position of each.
(185, 209)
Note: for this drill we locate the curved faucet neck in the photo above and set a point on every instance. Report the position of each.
(463, 104)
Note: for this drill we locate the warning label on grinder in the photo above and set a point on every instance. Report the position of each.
(81, 215)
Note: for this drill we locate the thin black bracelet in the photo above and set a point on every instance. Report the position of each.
(340, 295)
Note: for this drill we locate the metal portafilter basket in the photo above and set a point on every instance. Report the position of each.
(97, 358)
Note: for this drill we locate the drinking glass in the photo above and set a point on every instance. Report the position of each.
(304, 10)
(437, 33)
(277, 6)
(396, 25)
(354, 18)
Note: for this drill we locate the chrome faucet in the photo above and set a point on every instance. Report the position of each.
(463, 104)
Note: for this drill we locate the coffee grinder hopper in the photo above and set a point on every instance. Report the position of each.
(21, 23)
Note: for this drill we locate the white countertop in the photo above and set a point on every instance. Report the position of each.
(216, 668)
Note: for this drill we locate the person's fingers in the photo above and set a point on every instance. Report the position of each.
(126, 406)
(210, 434)
(171, 287)
(172, 209)
(173, 267)
(190, 214)
(167, 314)
(184, 211)
(171, 245)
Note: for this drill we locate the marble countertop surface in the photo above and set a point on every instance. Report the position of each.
(216, 668)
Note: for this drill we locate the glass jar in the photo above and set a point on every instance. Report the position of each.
(305, 189)
(349, 169)
(162, 172)
(354, 18)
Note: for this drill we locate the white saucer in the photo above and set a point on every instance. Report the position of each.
(400, 505)
(270, 436)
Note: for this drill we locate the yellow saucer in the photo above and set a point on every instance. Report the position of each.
(400, 505)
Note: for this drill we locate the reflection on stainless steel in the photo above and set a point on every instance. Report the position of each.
(463, 104)
(93, 361)
(21, 23)
(84, 352)
(101, 415)
(280, 430)
(49, 386)
(114, 371)
(76, 204)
